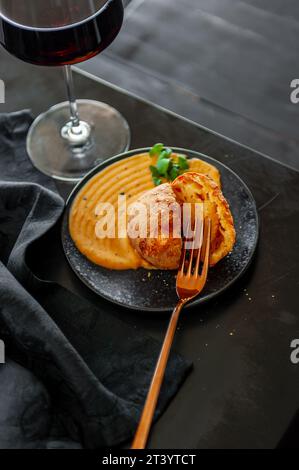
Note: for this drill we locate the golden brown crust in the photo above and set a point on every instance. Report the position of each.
(164, 251)
(193, 187)
(205, 168)
(159, 247)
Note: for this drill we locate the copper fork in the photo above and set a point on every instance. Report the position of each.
(190, 282)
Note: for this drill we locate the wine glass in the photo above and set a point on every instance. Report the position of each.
(72, 137)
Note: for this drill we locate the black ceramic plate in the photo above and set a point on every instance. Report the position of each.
(134, 289)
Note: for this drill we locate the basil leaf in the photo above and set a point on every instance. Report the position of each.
(163, 165)
(183, 162)
(168, 165)
(154, 171)
(157, 181)
(168, 152)
(156, 150)
(174, 172)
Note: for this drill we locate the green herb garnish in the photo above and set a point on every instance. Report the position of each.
(165, 153)
(175, 172)
(157, 181)
(155, 175)
(183, 162)
(163, 166)
(156, 150)
(168, 166)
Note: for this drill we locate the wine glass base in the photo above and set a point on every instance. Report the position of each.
(53, 155)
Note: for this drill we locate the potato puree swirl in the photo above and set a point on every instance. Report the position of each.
(130, 177)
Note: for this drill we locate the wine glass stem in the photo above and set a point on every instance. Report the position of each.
(76, 132)
(68, 74)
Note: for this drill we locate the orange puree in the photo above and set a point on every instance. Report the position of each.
(130, 177)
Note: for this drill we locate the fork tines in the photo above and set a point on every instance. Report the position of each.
(195, 246)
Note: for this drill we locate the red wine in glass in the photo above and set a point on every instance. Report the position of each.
(43, 33)
(62, 33)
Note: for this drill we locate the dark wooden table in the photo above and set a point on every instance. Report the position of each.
(226, 64)
(244, 390)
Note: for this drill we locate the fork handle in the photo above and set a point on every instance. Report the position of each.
(147, 416)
